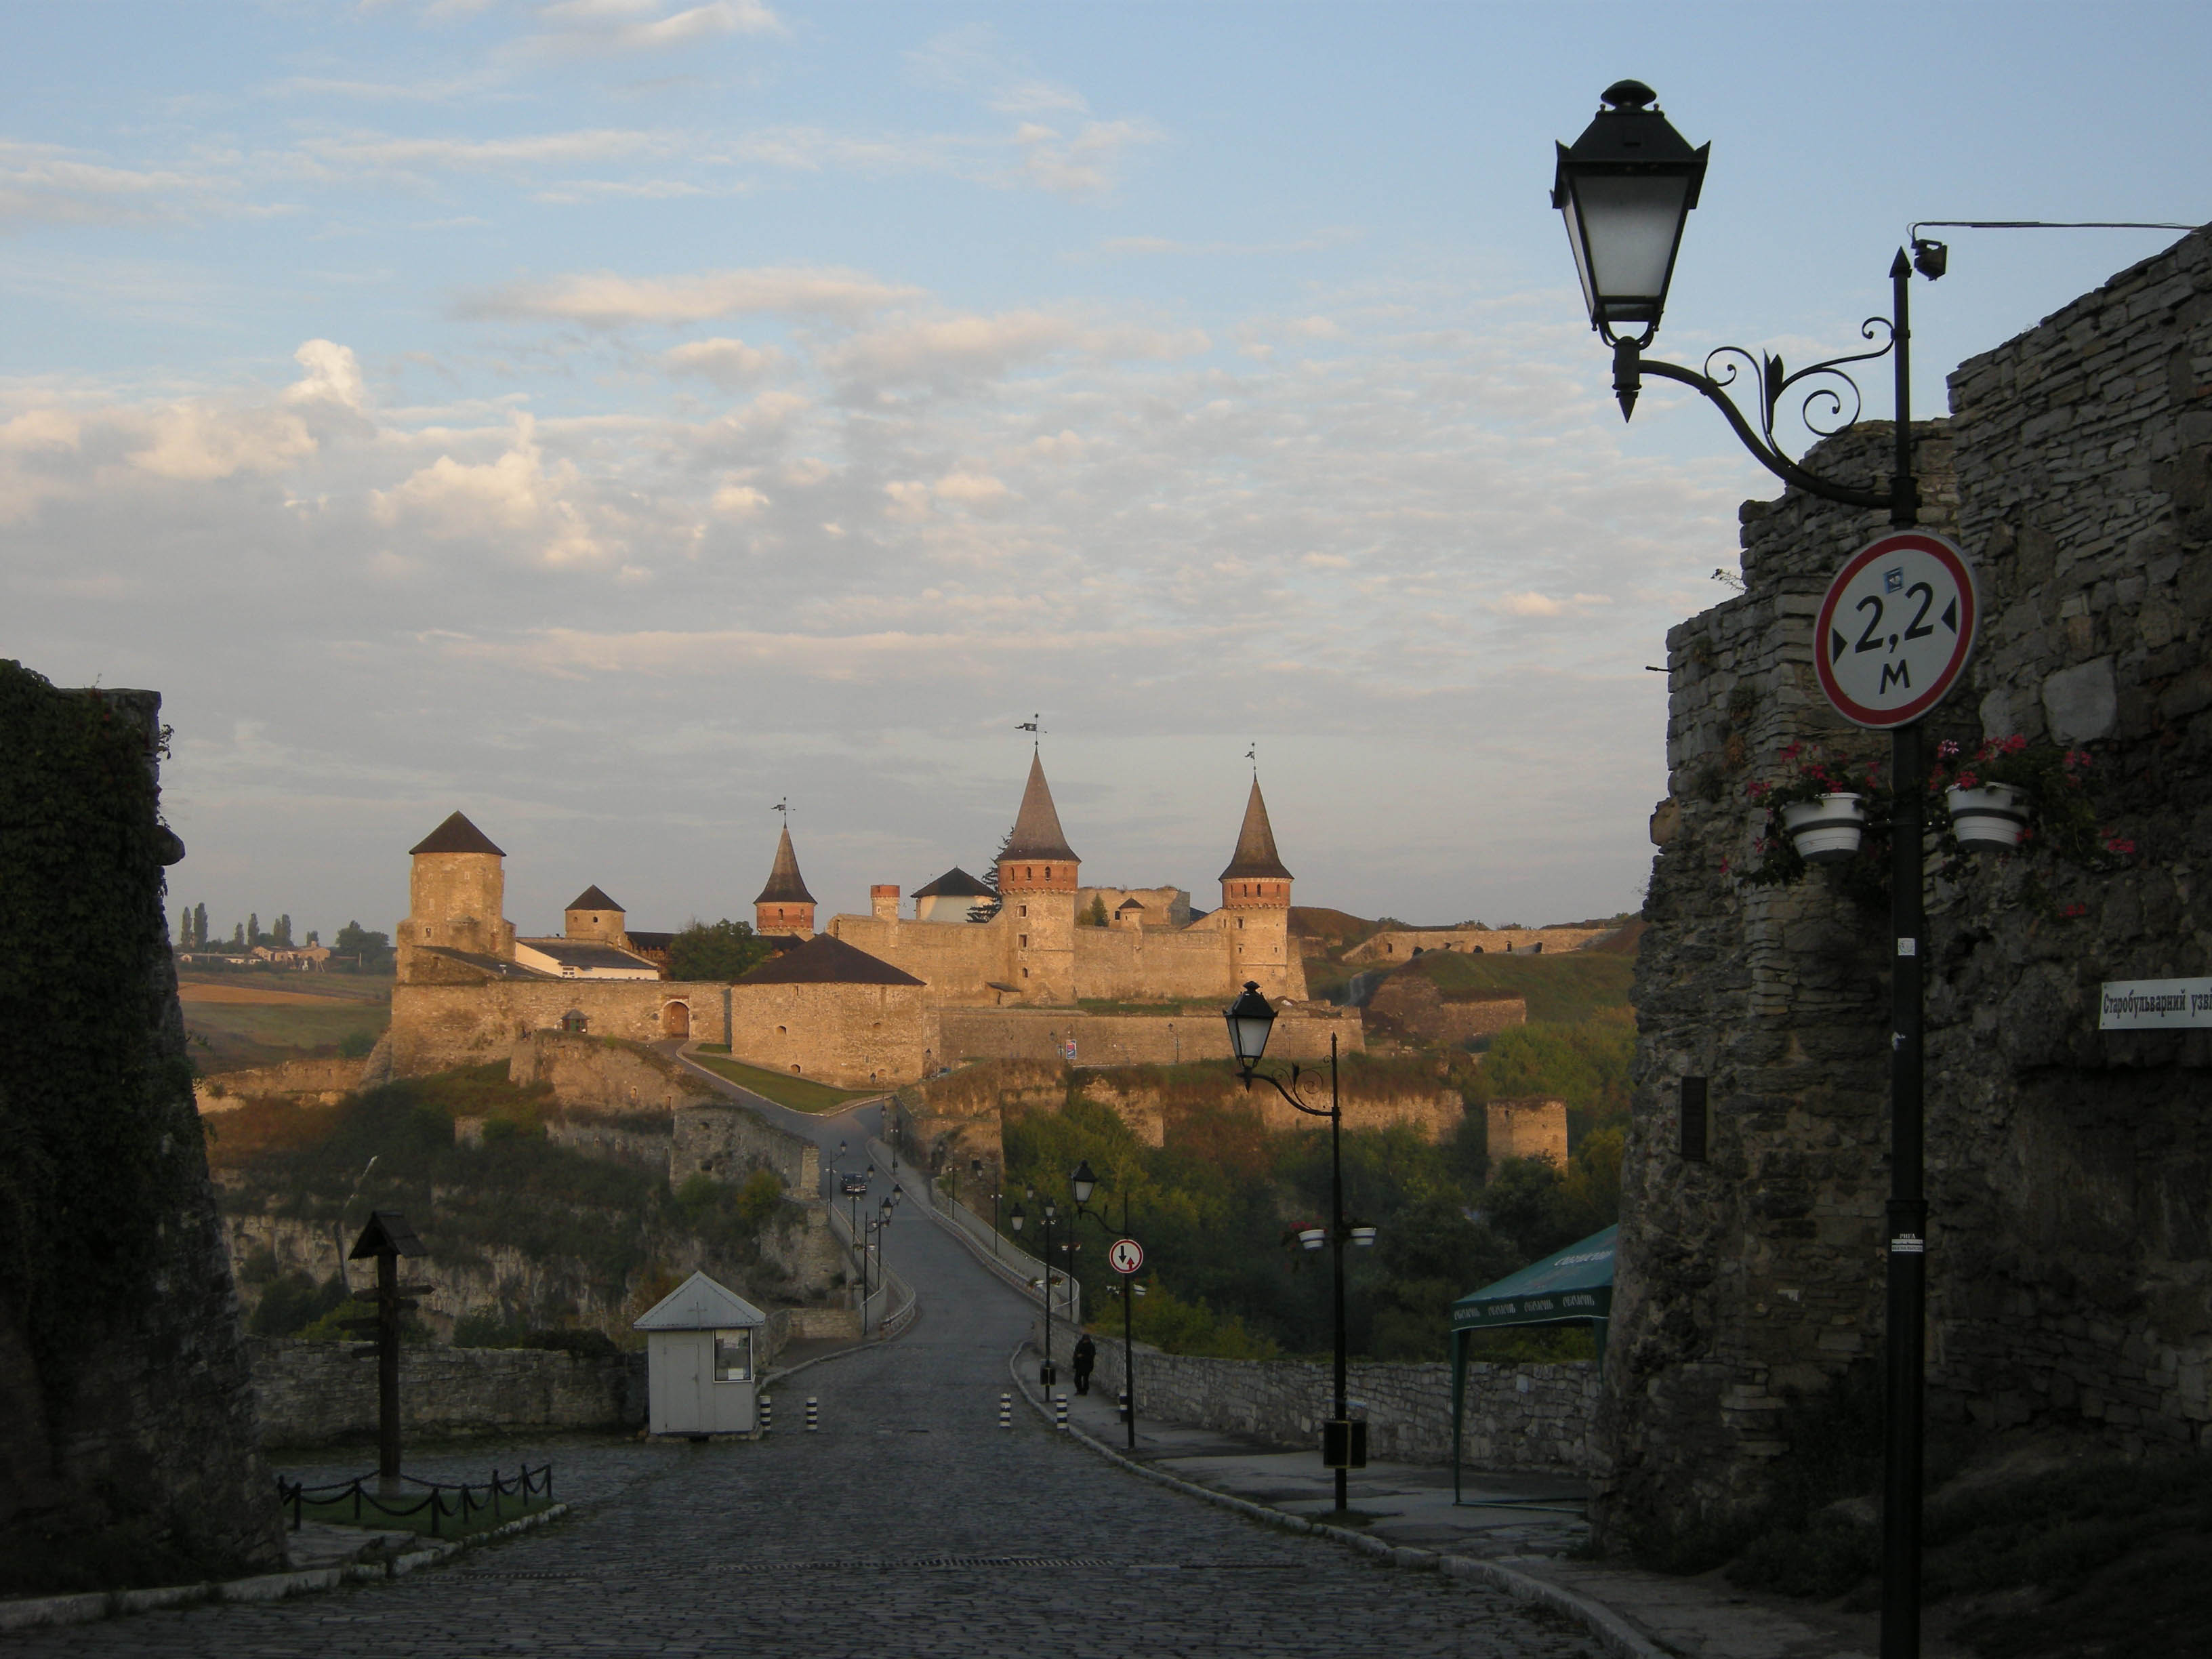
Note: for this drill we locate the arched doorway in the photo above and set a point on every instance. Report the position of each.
(676, 1019)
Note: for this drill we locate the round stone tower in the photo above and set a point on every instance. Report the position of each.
(784, 906)
(593, 915)
(1255, 898)
(456, 889)
(1036, 896)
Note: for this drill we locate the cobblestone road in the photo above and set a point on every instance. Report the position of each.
(910, 1525)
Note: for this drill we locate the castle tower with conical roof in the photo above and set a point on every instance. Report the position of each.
(1036, 894)
(784, 906)
(593, 915)
(1255, 899)
(456, 889)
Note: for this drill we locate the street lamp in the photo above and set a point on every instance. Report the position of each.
(1083, 1183)
(1625, 188)
(1048, 1374)
(1250, 1020)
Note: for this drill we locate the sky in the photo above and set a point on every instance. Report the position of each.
(613, 417)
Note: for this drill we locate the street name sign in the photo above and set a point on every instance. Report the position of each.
(1124, 1255)
(2154, 1005)
(1896, 629)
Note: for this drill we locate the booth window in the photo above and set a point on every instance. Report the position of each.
(733, 1356)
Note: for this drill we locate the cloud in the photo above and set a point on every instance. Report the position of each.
(958, 345)
(1538, 605)
(728, 362)
(200, 442)
(46, 184)
(605, 300)
(970, 488)
(389, 152)
(515, 501)
(1084, 163)
(577, 27)
(738, 502)
(333, 375)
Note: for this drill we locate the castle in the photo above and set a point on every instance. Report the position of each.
(869, 1000)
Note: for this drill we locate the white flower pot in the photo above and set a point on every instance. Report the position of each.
(1992, 816)
(1827, 830)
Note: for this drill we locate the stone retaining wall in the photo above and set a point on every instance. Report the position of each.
(1517, 1417)
(312, 1393)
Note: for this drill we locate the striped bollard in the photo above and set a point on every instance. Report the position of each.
(1122, 1405)
(1060, 1412)
(766, 1414)
(1005, 1411)
(813, 1414)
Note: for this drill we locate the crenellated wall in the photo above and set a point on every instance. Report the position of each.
(2070, 1172)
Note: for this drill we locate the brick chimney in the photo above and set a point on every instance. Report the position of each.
(883, 901)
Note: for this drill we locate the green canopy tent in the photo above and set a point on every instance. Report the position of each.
(1571, 1286)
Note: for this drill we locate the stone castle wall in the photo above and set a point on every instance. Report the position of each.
(2066, 1170)
(1536, 1417)
(1412, 1002)
(855, 1036)
(1403, 944)
(726, 1141)
(126, 1407)
(435, 1028)
(1141, 1103)
(1527, 1128)
(314, 1393)
(322, 1080)
(588, 1070)
(1302, 1033)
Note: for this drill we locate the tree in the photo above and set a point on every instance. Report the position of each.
(1096, 915)
(199, 926)
(185, 930)
(984, 909)
(373, 950)
(283, 933)
(715, 951)
(252, 928)
(237, 937)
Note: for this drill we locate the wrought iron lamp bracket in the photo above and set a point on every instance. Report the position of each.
(1289, 1094)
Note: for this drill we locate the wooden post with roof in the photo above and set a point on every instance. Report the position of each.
(387, 1237)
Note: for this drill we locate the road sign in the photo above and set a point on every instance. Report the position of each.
(1896, 629)
(1124, 1255)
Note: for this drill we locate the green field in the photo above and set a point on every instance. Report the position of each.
(799, 1093)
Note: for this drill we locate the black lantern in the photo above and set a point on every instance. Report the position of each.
(1625, 190)
(1083, 1183)
(1016, 1216)
(1249, 1020)
(898, 1196)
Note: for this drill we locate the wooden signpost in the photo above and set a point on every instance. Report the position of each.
(387, 1237)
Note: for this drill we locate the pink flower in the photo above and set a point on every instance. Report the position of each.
(1946, 750)
(1792, 751)
(2119, 844)
(1758, 788)
(2014, 743)
(2074, 910)
(1968, 780)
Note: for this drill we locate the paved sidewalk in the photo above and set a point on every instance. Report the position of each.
(1526, 1523)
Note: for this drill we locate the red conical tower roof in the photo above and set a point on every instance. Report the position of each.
(1255, 855)
(1038, 834)
(785, 884)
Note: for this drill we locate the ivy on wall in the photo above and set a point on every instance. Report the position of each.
(98, 1141)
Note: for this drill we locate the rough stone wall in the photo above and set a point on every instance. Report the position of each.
(1164, 907)
(1535, 1418)
(1396, 944)
(1412, 1003)
(436, 1027)
(1142, 1104)
(1528, 1128)
(855, 1036)
(1302, 1033)
(124, 1397)
(311, 1394)
(727, 1141)
(323, 1081)
(2067, 1171)
(455, 901)
(584, 1070)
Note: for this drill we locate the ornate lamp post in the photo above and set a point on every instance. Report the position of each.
(1083, 1183)
(1250, 1020)
(877, 1229)
(1048, 1373)
(1626, 189)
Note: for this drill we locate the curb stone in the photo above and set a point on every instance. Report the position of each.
(47, 1612)
(1612, 1633)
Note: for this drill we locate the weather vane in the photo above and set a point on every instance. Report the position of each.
(1253, 755)
(1032, 725)
(784, 807)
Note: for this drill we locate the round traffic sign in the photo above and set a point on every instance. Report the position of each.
(1896, 629)
(1124, 1255)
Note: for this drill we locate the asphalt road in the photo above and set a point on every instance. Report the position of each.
(911, 1524)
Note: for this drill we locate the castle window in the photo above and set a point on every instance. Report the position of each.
(782, 1030)
(1025, 973)
(1029, 873)
(1023, 939)
(1026, 909)
(1048, 873)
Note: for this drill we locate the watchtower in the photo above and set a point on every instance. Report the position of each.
(1256, 897)
(593, 915)
(456, 889)
(1036, 893)
(785, 906)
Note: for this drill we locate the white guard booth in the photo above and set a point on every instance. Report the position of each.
(701, 1374)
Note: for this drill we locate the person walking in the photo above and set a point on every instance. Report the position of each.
(1085, 1356)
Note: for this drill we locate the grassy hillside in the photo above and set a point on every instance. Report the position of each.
(244, 1018)
(800, 1094)
(1575, 985)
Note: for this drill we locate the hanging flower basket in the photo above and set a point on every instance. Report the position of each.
(1991, 815)
(1827, 830)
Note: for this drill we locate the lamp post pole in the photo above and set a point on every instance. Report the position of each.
(1251, 1019)
(1626, 188)
(1083, 1183)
